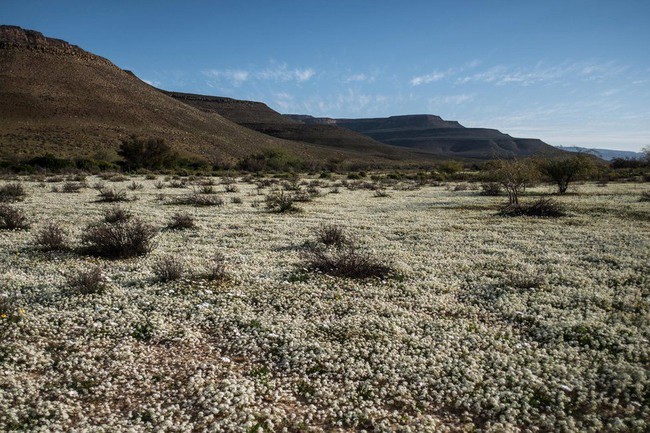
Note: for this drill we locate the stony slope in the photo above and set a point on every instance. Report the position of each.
(58, 98)
(440, 137)
(259, 117)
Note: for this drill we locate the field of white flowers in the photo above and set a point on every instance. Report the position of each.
(488, 323)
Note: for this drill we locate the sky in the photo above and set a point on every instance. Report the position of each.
(571, 72)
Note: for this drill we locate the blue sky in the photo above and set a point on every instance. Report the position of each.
(570, 72)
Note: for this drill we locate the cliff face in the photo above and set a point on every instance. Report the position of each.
(443, 138)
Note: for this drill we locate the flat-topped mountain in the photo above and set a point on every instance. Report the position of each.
(440, 137)
(58, 98)
(260, 117)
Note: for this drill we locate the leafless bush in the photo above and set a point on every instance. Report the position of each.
(51, 237)
(346, 261)
(490, 188)
(461, 187)
(12, 218)
(117, 215)
(159, 185)
(645, 196)
(177, 184)
(301, 196)
(12, 192)
(381, 193)
(331, 234)
(134, 186)
(207, 189)
(120, 240)
(236, 200)
(112, 196)
(543, 207)
(231, 188)
(217, 269)
(198, 200)
(72, 187)
(88, 282)
(280, 202)
(168, 268)
(181, 221)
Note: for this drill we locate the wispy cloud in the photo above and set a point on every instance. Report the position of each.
(235, 76)
(152, 82)
(450, 99)
(357, 78)
(274, 72)
(428, 78)
(282, 72)
(501, 75)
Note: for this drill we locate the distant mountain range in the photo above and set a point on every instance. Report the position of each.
(432, 134)
(58, 98)
(606, 154)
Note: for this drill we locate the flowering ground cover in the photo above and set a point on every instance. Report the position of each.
(486, 322)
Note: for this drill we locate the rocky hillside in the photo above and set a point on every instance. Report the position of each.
(58, 98)
(259, 117)
(432, 134)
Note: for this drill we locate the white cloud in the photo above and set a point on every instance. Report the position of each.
(282, 72)
(235, 76)
(540, 73)
(153, 83)
(356, 77)
(434, 76)
(451, 99)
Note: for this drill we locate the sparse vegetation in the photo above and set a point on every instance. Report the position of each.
(116, 215)
(346, 261)
(107, 195)
(168, 268)
(281, 202)
(182, 221)
(88, 282)
(52, 237)
(543, 207)
(331, 234)
(12, 218)
(12, 192)
(119, 240)
(563, 171)
(198, 200)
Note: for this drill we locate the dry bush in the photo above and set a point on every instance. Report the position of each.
(52, 237)
(280, 202)
(198, 200)
(461, 187)
(12, 192)
(89, 282)
(207, 189)
(236, 200)
(174, 183)
(168, 268)
(380, 192)
(331, 234)
(544, 207)
(645, 196)
(231, 188)
(181, 221)
(491, 188)
(72, 187)
(117, 215)
(134, 186)
(302, 196)
(12, 218)
(346, 261)
(217, 269)
(119, 240)
(112, 196)
(159, 185)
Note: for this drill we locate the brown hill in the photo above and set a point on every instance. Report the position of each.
(432, 134)
(57, 98)
(259, 117)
